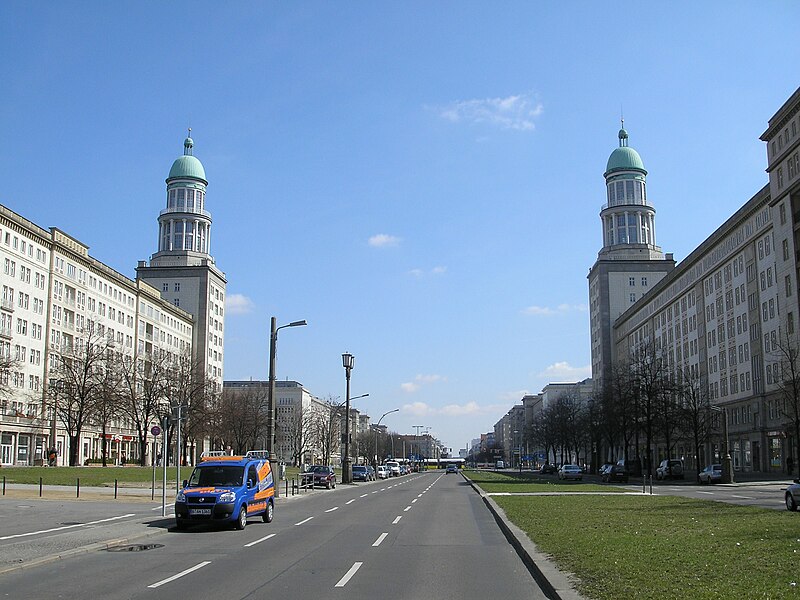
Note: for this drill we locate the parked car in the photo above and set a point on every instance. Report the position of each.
(548, 469)
(360, 473)
(324, 475)
(451, 468)
(672, 468)
(614, 473)
(570, 472)
(383, 472)
(394, 468)
(793, 496)
(711, 474)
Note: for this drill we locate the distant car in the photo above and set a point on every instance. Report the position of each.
(570, 472)
(711, 474)
(360, 473)
(324, 475)
(394, 468)
(500, 464)
(670, 469)
(548, 469)
(793, 496)
(451, 469)
(383, 472)
(614, 473)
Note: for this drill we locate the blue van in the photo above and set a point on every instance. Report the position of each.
(227, 489)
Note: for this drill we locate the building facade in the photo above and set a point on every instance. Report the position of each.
(55, 298)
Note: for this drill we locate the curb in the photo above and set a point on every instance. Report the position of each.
(554, 583)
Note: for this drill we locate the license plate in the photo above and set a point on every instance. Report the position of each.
(199, 511)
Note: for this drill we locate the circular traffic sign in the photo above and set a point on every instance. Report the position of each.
(155, 430)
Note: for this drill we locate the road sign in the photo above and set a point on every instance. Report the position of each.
(155, 430)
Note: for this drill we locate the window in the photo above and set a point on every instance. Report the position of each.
(177, 287)
(164, 287)
(785, 249)
(644, 281)
(631, 281)
(788, 282)
(633, 297)
(780, 178)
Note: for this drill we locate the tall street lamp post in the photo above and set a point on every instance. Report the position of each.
(348, 360)
(273, 410)
(376, 433)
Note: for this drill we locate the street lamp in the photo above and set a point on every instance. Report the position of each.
(273, 410)
(348, 361)
(376, 432)
(727, 463)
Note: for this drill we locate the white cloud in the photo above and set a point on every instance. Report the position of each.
(238, 304)
(422, 409)
(546, 311)
(514, 396)
(383, 240)
(419, 409)
(514, 112)
(564, 372)
(422, 273)
(420, 380)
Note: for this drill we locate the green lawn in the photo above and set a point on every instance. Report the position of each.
(500, 482)
(664, 547)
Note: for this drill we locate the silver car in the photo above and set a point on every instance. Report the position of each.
(570, 472)
(793, 496)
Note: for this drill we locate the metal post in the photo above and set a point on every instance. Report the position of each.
(273, 413)
(727, 462)
(178, 453)
(164, 459)
(346, 461)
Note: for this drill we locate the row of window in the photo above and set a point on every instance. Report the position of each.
(24, 247)
(783, 138)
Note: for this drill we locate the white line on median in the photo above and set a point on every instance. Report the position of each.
(397, 520)
(265, 538)
(181, 574)
(19, 535)
(381, 537)
(347, 576)
(304, 521)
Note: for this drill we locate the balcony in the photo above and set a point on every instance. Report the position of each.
(185, 211)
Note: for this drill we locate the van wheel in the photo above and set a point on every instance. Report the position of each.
(790, 503)
(268, 514)
(241, 522)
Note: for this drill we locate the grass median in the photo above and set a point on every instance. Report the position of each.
(663, 547)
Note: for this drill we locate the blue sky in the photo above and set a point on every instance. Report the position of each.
(420, 181)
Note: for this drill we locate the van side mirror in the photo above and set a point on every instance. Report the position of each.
(250, 483)
(185, 482)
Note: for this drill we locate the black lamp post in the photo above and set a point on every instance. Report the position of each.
(348, 360)
(376, 433)
(727, 462)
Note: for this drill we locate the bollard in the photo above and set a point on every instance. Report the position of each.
(4, 485)
(153, 487)
(115, 489)
(40, 487)
(78, 488)
(287, 488)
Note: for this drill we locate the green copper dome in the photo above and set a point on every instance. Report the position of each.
(187, 165)
(624, 158)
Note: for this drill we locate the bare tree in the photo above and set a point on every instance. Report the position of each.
(696, 412)
(243, 417)
(300, 428)
(327, 427)
(787, 353)
(77, 384)
(106, 406)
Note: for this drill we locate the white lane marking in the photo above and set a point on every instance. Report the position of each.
(332, 509)
(382, 489)
(363, 495)
(181, 574)
(741, 497)
(304, 521)
(350, 501)
(420, 495)
(265, 538)
(414, 500)
(397, 520)
(19, 535)
(709, 493)
(381, 537)
(376, 491)
(347, 576)
(406, 509)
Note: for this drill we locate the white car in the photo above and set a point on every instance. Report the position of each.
(793, 496)
(570, 472)
(383, 472)
(394, 468)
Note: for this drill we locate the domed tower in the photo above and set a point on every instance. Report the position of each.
(184, 226)
(628, 218)
(630, 263)
(183, 270)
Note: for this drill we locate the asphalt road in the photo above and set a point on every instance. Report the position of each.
(426, 535)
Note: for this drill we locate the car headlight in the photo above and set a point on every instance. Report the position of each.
(227, 497)
(181, 497)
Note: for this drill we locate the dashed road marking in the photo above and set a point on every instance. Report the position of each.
(347, 576)
(264, 539)
(304, 521)
(397, 520)
(332, 509)
(181, 574)
(381, 537)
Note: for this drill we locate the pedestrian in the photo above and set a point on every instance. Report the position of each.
(52, 454)
(122, 459)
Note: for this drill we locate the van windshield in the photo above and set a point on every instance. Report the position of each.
(216, 476)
